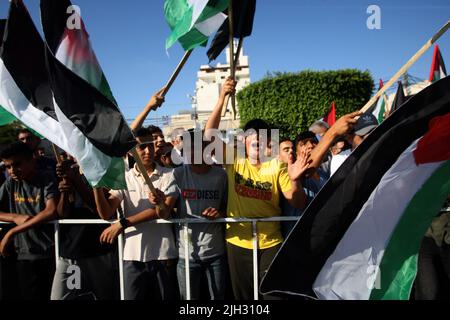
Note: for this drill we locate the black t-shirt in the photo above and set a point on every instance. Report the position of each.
(28, 198)
(82, 241)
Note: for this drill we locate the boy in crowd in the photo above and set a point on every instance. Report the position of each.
(254, 189)
(202, 194)
(29, 197)
(80, 248)
(149, 253)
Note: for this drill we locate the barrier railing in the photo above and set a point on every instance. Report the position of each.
(185, 223)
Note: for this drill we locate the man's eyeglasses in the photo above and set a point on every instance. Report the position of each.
(143, 146)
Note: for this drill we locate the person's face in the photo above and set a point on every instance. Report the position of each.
(286, 150)
(158, 139)
(306, 146)
(146, 149)
(19, 167)
(253, 145)
(29, 139)
(319, 130)
(337, 148)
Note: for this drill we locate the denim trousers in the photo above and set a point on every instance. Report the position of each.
(214, 269)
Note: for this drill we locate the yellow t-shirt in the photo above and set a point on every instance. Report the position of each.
(255, 193)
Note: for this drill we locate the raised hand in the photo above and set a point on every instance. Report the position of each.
(297, 169)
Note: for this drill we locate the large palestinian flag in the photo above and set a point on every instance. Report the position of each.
(49, 98)
(358, 239)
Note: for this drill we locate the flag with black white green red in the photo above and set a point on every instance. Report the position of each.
(437, 66)
(377, 257)
(378, 109)
(49, 98)
(67, 38)
(243, 16)
(359, 238)
(399, 98)
(193, 21)
(5, 116)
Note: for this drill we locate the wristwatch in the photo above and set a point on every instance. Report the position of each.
(123, 222)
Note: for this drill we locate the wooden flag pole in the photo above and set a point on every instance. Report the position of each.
(231, 47)
(236, 59)
(403, 69)
(58, 160)
(176, 72)
(144, 173)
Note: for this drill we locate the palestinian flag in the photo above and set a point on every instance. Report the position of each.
(358, 239)
(437, 66)
(72, 46)
(243, 16)
(378, 109)
(49, 98)
(5, 116)
(330, 116)
(399, 98)
(193, 21)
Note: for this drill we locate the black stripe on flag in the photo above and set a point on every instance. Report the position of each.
(37, 73)
(54, 21)
(2, 29)
(329, 215)
(22, 53)
(95, 115)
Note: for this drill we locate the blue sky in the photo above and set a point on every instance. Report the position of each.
(288, 35)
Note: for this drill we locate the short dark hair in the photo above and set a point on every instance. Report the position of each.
(142, 132)
(16, 149)
(154, 129)
(256, 124)
(285, 139)
(305, 136)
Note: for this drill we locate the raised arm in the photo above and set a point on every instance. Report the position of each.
(214, 119)
(154, 103)
(342, 126)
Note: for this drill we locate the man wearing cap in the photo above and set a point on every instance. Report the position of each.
(363, 127)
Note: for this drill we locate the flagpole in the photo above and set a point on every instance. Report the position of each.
(144, 173)
(236, 59)
(231, 47)
(58, 160)
(403, 69)
(176, 72)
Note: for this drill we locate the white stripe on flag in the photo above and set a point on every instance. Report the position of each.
(197, 8)
(63, 133)
(209, 26)
(348, 272)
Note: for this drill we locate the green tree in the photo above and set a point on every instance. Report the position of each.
(293, 101)
(8, 133)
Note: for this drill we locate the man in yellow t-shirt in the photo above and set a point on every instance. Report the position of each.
(254, 189)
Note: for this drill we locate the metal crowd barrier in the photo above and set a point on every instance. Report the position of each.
(185, 223)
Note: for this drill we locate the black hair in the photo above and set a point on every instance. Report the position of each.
(142, 132)
(16, 149)
(256, 124)
(154, 129)
(305, 135)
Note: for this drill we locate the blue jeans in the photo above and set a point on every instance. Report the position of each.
(215, 270)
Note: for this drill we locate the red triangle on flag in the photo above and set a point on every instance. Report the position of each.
(330, 117)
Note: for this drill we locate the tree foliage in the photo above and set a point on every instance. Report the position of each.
(293, 101)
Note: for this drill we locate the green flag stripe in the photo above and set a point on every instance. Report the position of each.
(398, 267)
